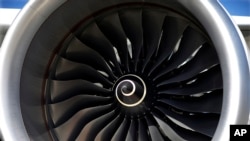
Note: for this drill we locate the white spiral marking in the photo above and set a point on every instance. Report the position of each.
(143, 95)
(124, 87)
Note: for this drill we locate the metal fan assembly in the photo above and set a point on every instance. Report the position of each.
(125, 70)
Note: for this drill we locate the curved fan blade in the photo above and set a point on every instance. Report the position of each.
(62, 90)
(153, 130)
(143, 130)
(90, 131)
(109, 130)
(211, 80)
(168, 130)
(67, 70)
(208, 103)
(72, 127)
(93, 37)
(152, 23)
(132, 131)
(204, 59)
(64, 110)
(79, 52)
(121, 132)
(185, 50)
(113, 30)
(173, 29)
(202, 123)
(132, 25)
(177, 133)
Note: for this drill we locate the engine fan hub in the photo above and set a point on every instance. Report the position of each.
(130, 90)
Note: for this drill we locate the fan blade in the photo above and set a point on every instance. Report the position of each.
(154, 130)
(94, 38)
(132, 26)
(113, 30)
(107, 132)
(90, 131)
(211, 80)
(132, 131)
(62, 90)
(187, 47)
(152, 22)
(120, 134)
(67, 70)
(62, 111)
(173, 29)
(79, 52)
(209, 103)
(202, 123)
(205, 58)
(168, 130)
(177, 133)
(143, 130)
(69, 130)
